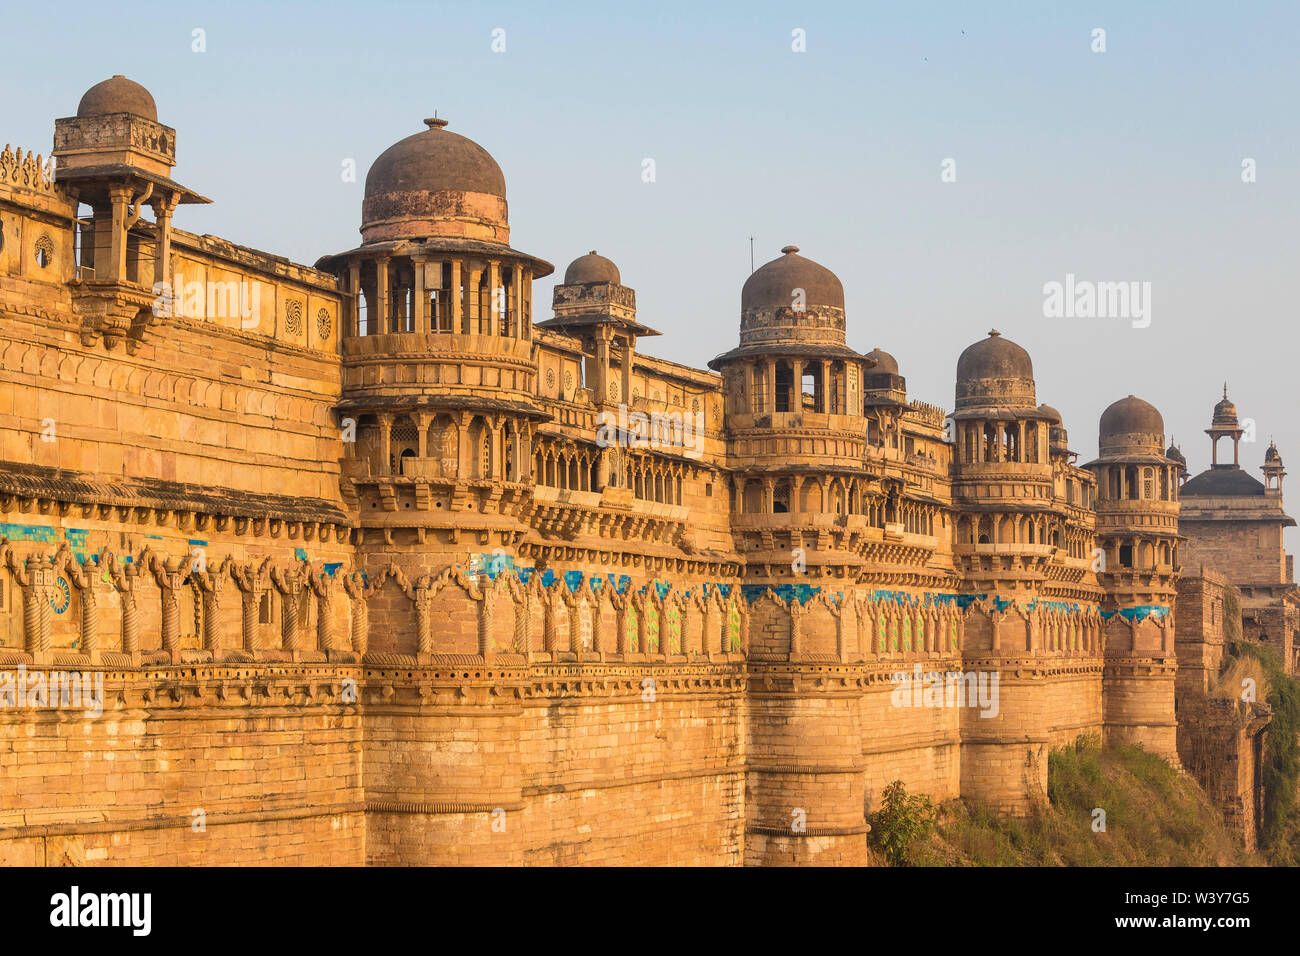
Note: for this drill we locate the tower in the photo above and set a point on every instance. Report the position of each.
(437, 355)
(796, 428)
(1002, 473)
(116, 157)
(1137, 531)
(1273, 471)
(796, 436)
(1224, 425)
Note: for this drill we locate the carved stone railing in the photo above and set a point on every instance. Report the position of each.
(26, 170)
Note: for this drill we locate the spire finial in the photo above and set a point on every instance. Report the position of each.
(1225, 389)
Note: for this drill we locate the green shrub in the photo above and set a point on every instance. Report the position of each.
(900, 822)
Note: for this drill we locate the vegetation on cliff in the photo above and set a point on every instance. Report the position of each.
(1279, 836)
(1154, 816)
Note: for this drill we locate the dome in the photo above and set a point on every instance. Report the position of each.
(885, 363)
(435, 161)
(117, 95)
(435, 183)
(591, 268)
(1174, 453)
(1051, 413)
(995, 371)
(773, 285)
(994, 357)
(1272, 455)
(1225, 413)
(1131, 416)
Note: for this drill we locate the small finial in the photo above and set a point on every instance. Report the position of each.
(433, 122)
(994, 332)
(1225, 389)
(788, 250)
(592, 253)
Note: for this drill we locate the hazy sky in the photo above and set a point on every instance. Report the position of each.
(1124, 165)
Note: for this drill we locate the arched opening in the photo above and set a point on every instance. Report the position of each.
(781, 497)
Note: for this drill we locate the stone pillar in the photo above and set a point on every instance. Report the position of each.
(354, 286)
(475, 304)
(120, 197)
(424, 621)
(454, 297)
(421, 298)
(211, 628)
(385, 442)
(625, 395)
(36, 580)
(89, 634)
(162, 210)
(771, 386)
(248, 602)
(494, 290)
(517, 301)
(464, 454)
(485, 648)
(379, 321)
(421, 420)
(603, 336)
(169, 583)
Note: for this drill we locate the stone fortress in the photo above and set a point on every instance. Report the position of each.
(376, 565)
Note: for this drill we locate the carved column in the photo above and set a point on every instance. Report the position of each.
(385, 442)
(423, 620)
(89, 621)
(35, 577)
(357, 589)
(485, 648)
(323, 587)
(170, 580)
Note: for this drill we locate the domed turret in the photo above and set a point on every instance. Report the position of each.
(1272, 468)
(592, 267)
(1225, 412)
(435, 183)
(792, 300)
(777, 284)
(117, 95)
(1131, 426)
(885, 363)
(995, 371)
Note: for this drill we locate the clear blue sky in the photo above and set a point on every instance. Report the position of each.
(1123, 165)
